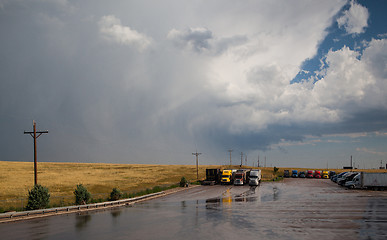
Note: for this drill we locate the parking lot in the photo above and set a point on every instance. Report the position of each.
(291, 209)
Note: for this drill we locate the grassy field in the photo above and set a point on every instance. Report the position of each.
(16, 178)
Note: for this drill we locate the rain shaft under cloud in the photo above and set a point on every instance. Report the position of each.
(150, 82)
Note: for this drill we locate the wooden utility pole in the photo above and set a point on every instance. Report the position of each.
(34, 136)
(197, 164)
(230, 151)
(241, 158)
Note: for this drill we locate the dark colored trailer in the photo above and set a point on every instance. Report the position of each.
(213, 176)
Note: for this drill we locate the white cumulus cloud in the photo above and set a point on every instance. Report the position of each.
(111, 28)
(355, 19)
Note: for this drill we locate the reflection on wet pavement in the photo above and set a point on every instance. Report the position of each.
(293, 209)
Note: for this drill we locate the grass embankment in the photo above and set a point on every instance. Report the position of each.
(16, 178)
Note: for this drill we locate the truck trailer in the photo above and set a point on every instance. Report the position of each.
(212, 176)
(368, 180)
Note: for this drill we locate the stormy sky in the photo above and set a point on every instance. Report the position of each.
(302, 83)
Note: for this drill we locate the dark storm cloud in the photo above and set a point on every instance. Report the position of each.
(195, 38)
(109, 86)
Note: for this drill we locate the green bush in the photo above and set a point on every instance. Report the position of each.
(183, 182)
(82, 196)
(115, 195)
(38, 198)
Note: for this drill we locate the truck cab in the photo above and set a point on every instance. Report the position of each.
(354, 183)
(294, 173)
(325, 174)
(255, 177)
(317, 174)
(286, 173)
(310, 174)
(240, 178)
(226, 177)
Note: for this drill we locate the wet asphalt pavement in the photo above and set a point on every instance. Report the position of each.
(292, 209)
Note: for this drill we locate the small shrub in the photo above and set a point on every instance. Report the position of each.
(115, 195)
(38, 198)
(275, 170)
(183, 182)
(82, 196)
(157, 189)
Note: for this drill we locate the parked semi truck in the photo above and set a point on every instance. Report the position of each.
(310, 174)
(240, 178)
(286, 173)
(227, 177)
(294, 173)
(325, 174)
(317, 174)
(212, 176)
(368, 180)
(255, 177)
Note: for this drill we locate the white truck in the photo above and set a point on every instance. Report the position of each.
(368, 180)
(255, 177)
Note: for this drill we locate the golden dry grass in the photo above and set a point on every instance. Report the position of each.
(61, 178)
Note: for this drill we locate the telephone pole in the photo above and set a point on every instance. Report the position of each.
(258, 160)
(241, 158)
(230, 151)
(34, 136)
(197, 165)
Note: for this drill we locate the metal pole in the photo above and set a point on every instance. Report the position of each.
(230, 155)
(35, 156)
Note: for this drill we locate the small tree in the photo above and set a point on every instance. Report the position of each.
(38, 198)
(275, 170)
(115, 195)
(183, 182)
(82, 196)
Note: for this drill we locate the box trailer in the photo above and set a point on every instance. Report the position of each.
(368, 180)
(212, 176)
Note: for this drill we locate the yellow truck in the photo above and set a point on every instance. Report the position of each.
(226, 177)
(325, 174)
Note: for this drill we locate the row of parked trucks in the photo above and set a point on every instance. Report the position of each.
(308, 174)
(362, 180)
(239, 177)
